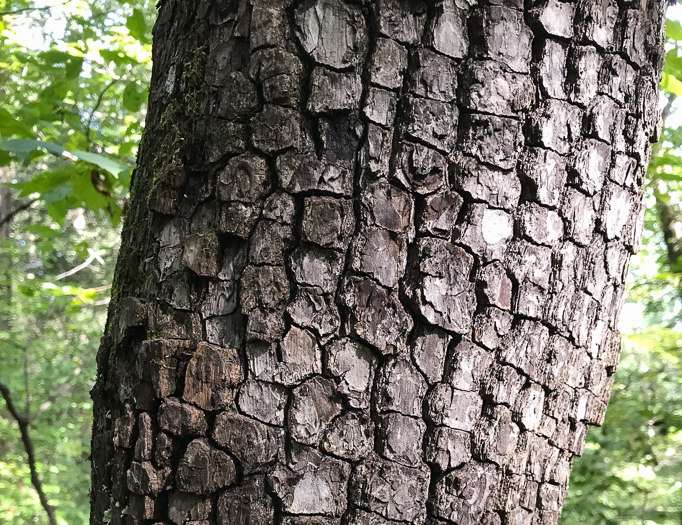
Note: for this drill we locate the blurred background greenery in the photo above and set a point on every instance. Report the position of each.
(73, 89)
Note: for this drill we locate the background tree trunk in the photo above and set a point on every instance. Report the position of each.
(374, 259)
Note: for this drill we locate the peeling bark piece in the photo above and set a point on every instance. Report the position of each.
(380, 254)
(525, 346)
(276, 129)
(584, 65)
(495, 285)
(317, 267)
(238, 218)
(353, 365)
(400, 388)
(483, 183)
(432, 122)
(225, 331)
(248, 503)
(252, 443)
(579, 216)
(400, 439)
(492, 140)
(420, 168)
(181, 419)
(313, 406)
(145, 438)
(163, 449)
(495, 435)
(501, 34)
(212, 374)
(332, 33)
(448, 448)
(269, 27)
(529, 262)
(387, 64)
(299, 173)
(280, 207)
(184, 507)
(617, 208)
(541, 225)
(361, 517)
(244, 179)
(263, 401)
(488, 88)
(141, 507)
(143, 478)
(429, 349)
(166, 322)
(402, 21)
(453, 408)
(350, 436)
(486, 231)
(310, 520)
(555, 18)
(490, 326)
(328, 222)
(544, 173)
(463, 494)
(238, 97)
(204, 469)
(466, 366)
(380, 106)
(315, 311)
(388, 207)
(434, 76)
(391, 490)
(597, 21)
(442, 291)
(437, 213)
(312, 484)
(266, 286)
(528, 406)
(298, 357)
(376, 315)
(160, 357)
(331, 91)
(552, 68)
(220, 300)
(268, 242)
(447, 32)
(555, 125)
(591, 166)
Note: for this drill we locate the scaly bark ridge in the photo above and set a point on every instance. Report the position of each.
(373, 265)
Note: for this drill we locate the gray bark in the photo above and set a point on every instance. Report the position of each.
(374, 260)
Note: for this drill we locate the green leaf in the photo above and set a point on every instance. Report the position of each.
(671, 84)
(133, 97)
(673, 29)
(10, 126)
(137, 25)
(104, 162)
(47, 181)
(22, 148)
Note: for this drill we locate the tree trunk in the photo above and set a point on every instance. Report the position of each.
(374, 260)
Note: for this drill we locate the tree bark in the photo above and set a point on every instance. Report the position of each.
(374, 260)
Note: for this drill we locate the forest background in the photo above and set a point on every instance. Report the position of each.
(73, 92)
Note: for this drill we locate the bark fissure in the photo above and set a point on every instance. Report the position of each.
(373, 264)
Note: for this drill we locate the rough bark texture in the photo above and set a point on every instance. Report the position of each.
(374, 260)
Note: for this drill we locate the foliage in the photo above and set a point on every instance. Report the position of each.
(73, 89)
